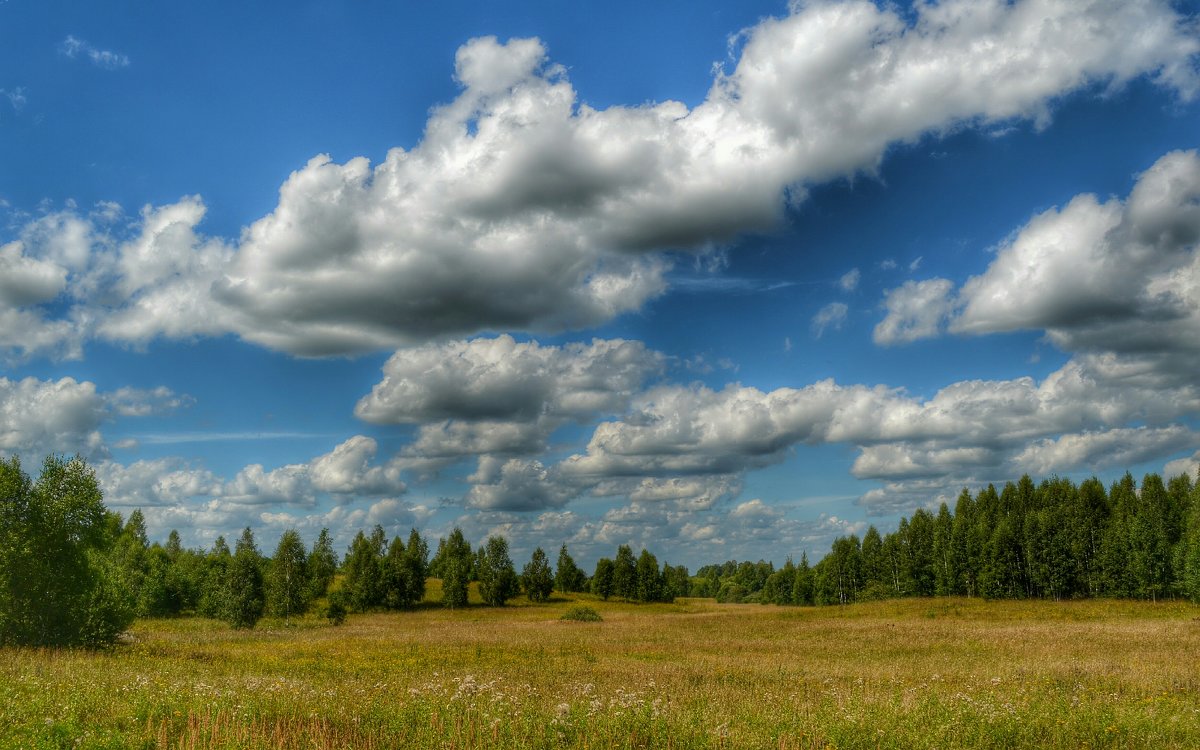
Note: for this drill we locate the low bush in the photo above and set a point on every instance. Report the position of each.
(582, 613)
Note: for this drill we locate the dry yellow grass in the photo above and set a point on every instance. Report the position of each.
(915, 673)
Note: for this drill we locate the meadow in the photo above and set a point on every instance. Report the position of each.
(914, 673)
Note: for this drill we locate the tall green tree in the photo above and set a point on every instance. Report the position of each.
(158, 596)
(1115, 574)
(963, 545)
(649, 579)
(919, 557)
(945, 567)
(1092, 516)
(497, 578)
(129, 554)
(1189, 554)
(1150, 540)
(842, 570)
(536, 578)
(453, 564)
(802, 587)
(602, 578)
(568, 577)
(677, 583)
(245, 597)
(289, 590)
(215, 586)
(405, 571)
(625, 573)
(874, 566)
(364, 567)
(322, 565)
(59, 584)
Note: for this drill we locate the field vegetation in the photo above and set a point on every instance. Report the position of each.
(946, 672)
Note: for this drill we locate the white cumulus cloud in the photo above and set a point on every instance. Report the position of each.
(522, 208)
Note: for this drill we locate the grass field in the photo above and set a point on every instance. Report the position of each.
(914, 673)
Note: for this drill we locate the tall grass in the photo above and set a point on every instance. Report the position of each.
(910, 673)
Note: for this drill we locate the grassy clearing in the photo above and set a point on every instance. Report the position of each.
(915, 673)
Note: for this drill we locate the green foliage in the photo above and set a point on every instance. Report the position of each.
(802, 587)
(582, 613)
(405, 570)
(676, 582)
(335, 609)
(60, 584)
(1055, 540)
(364, 584)
(288, 586)
(157, 596)
(568, 577)
(214, 589)
(536, 578)
(1189, 553)
(649, 579)
(624, 580)
(322, 565)
(244, 595)
(497, 578)
(602, 579)
(453, 564)
(731, 592)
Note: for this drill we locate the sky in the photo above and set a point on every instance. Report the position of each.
(720, 280)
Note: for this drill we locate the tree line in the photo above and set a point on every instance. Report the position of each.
(72, 572)
(1054, 540)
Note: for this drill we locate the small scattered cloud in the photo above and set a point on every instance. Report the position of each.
(75, 48)
(916, 310)
(831, 316)
(16, 98)
(849, 280)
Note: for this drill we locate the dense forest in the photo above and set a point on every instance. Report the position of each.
(72, 572)
(1055, 540)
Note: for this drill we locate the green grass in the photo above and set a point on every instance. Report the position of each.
(916, 673)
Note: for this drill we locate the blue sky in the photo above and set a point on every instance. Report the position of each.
(721, 281)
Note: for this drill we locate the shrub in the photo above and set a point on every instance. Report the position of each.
(582, 613)
(336, 609)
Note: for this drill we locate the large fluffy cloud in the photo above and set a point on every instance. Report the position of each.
(74, 275)
(501, 397)
(1112, 276)
(39, 417)
(1112, 282)
(523, 209)
(500, 379)
(1097, 276)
